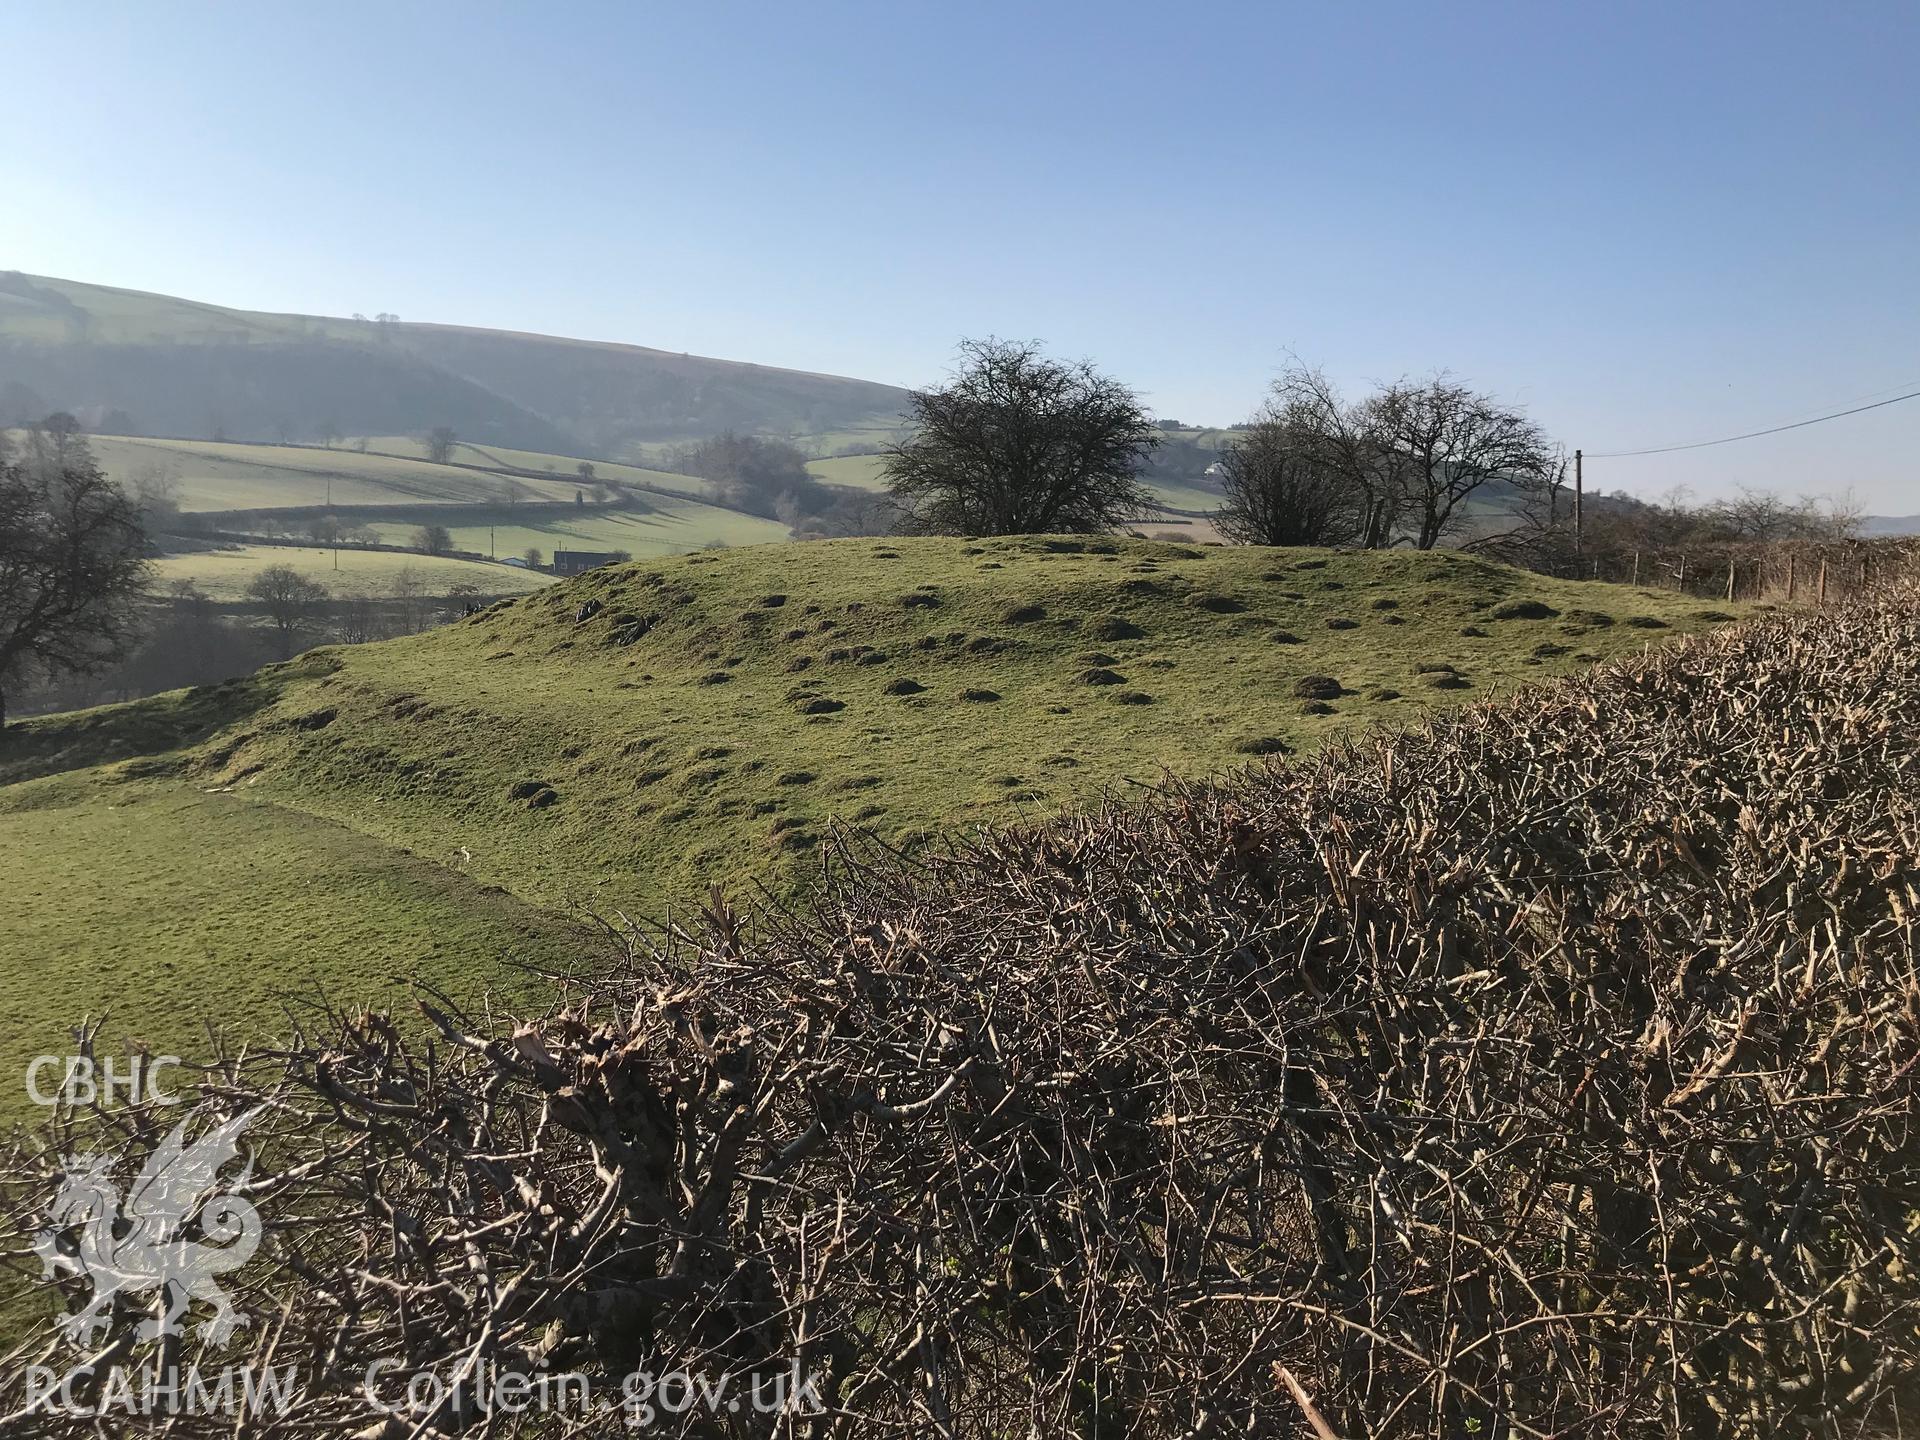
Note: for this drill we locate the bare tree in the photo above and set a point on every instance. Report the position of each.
(440, 442)
(1016, 443)
(289, 600)
(1281, 490)
(1344, 443)
(360, 620)
(1442, 443)
(462, 598)
(156, 493)
(72, 564)
(433, 539)
(56, 444)
(532, 556)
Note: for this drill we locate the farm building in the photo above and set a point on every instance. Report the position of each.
(575, 562)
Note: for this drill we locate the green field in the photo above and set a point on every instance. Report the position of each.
(1186, 497)
(564, 467)
(166, 907)
(619, 741)
(664, 527)
(225, 574)
(220, 476)
(387, 492)
(861, 472)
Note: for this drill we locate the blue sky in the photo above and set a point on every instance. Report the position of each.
(1649, 223)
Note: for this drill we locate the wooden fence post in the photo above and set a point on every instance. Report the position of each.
(1636, 567)
(1823, 579)
(1790, 563)
(1682, 586)
(1733, 574)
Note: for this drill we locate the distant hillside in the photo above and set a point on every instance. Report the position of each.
(1890, 525)
(129, 362)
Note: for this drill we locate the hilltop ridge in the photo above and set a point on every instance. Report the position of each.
(188, 368)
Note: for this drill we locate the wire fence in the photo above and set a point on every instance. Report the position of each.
(1810, 572)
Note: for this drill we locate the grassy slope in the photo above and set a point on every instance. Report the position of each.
(116, 316)
(583, 388)
(225, 574)
(862, 472)
(225, 476)
(665, 527)
(121, 911)
(688, 754)
(564, 467)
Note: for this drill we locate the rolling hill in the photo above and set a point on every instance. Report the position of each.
(184, 368)
(454, 805)
(391, 489)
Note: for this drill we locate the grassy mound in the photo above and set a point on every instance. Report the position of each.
(623, 740)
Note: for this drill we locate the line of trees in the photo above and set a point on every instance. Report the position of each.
(770, 478)
(1016, 442)
(1398, 466)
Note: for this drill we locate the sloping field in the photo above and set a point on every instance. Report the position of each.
(183, 367)
(564, 468)
(627, 738)
(188, 906)
(862, 472)
(385, 490)
(665, 527)
(216, 476)
(225, 574)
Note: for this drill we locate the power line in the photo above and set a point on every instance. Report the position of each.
(1751, 434)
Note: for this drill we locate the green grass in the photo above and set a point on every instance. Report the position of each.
(622, 740)
(223, 476)
(225, 574)
(116, 316)
(665, 527)
(118, 913)
(565, 468)
(387, 491)
(1186, 497)
(862, 472)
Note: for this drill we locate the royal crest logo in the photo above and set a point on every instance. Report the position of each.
(175, 1232)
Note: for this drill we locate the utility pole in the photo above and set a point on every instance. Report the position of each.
(1578, 489)
(335, 527)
